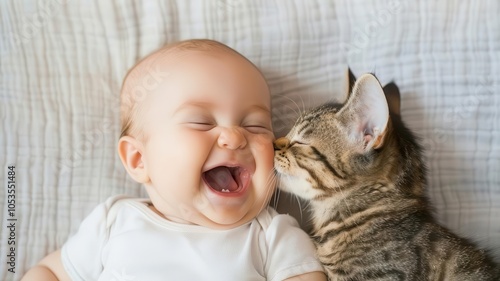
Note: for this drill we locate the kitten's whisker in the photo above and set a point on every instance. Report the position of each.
(300, 207)
(271, 185)
(277, 192)
(303, 106)
(277, 198)
(296, 199)
(295, 103)
(294, 111)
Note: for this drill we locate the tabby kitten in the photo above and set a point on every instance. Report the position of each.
(361, 170)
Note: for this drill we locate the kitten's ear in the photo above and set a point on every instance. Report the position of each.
(366, 112)
(393, 97)
(351, 79)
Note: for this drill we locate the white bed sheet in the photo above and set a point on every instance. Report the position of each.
(62, 63)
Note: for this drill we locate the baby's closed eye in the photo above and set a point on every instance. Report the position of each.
(200, 123)
(257, 127)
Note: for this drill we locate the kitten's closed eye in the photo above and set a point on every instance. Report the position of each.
(283, 143)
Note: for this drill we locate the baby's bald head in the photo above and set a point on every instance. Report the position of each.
(148, 73)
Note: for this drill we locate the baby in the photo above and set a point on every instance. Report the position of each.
(197, 133)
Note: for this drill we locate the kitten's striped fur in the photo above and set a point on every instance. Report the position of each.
(361, 170)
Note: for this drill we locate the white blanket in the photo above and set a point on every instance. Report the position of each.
(62, 63)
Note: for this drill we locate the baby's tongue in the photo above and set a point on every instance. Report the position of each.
(221, 179)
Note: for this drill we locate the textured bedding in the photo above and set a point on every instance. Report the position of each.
(62, 63)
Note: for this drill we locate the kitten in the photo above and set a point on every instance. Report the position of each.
(362, 173)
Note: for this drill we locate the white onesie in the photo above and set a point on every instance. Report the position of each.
(123, 240)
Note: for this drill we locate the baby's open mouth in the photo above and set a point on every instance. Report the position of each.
(226, 179)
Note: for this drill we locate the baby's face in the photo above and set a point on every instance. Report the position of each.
(209, 151)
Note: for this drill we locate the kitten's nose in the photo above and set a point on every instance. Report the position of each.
(281, 143)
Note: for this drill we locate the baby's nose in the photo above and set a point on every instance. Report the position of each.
(232, 138)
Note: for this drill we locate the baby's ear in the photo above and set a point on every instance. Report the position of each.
(130, 152)
(366, 113)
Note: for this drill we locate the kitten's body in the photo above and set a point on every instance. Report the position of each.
(363, 175)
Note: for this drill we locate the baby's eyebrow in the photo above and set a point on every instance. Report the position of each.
(258, 109)
(195, 104)
(208, 105)
(261, 107)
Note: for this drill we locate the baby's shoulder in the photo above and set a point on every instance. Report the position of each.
(117, 202)
(112, 207)
(270, 220)
(121, 200)
(286, 248)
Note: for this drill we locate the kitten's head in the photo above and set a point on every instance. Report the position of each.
(336, 146)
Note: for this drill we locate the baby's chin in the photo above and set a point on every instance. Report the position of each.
(224, 210)
(226, 219)
(211, 220)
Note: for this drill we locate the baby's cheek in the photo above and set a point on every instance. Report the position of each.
(262, 146)
(263, 141)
